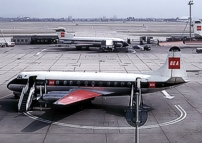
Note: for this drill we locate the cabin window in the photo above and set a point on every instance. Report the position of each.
(108, 83)
(115, 83)
(78, 83)
(93, 83)
(86, 83)
(100, 83)
(65, 82)
(122, 84)
(129, 84)
(57, 82)
(70, 82)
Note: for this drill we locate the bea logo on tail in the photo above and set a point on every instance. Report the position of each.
(198, 28)
(62, 34)
(174, 63)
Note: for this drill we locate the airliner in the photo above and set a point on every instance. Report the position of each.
(79, 42)
(197, 29)
(64, 88)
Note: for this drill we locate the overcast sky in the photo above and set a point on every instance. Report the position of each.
(99, 8)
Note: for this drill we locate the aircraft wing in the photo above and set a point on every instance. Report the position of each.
(79, 95)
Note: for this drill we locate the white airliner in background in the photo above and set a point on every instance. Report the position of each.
(64, 88)
(197, 29)
(183, 19)
(87, 42)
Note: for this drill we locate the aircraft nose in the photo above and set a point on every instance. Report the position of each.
(10, 84)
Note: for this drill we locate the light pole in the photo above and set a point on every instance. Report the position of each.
(190, 19)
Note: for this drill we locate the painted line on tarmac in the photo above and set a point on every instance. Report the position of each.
(40, 52)
(5, 96)
(167, 95)
(182, 116)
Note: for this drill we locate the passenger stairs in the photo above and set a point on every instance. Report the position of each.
(26, 97)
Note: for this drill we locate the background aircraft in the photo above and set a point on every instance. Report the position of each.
(79, 42)
(197, 29)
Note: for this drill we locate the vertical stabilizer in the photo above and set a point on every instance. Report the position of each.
(62, 34)
(173, 68)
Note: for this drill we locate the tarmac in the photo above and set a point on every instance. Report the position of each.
(175, 114)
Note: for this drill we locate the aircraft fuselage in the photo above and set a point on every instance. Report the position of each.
(117, 84)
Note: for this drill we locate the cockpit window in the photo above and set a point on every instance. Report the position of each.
(19, 76)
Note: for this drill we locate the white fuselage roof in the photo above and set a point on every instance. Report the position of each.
(91, 76)
(92, 39)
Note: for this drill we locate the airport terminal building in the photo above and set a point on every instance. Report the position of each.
(35, 39)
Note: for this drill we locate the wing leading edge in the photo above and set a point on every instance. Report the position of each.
(79, 95)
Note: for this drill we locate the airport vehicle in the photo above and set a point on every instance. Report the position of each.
(144, 48)
(10, 44)
(79, 42)
(2, 44)
(6, 43)
(107, 45)
(64, 88)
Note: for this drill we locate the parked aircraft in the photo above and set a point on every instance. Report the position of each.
(64, 88)
(79, 42)
(183, 19)
(197, 29)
